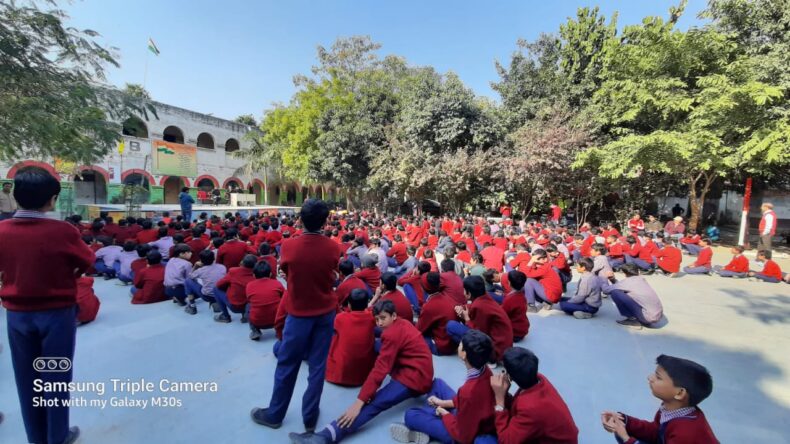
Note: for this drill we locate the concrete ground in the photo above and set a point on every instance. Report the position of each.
(739, 330)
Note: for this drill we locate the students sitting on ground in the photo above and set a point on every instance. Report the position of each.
(515, 305)
(369, 272)
(388, 291)
(106, 256)
(586, 301)
(770, 272)
(232, 251)
(438, 310)
(203, 279)
(704, 256)
(738, 266)
(543, 283)
(149, 282)
(163, 242)
(123, 266)
(176, 273)
(452, 417)
(351, 355)
(412, 285)
(681, 385)
(635, 299)
(348, 283)
(87, 302)
(668, 259)
(451, 282)
(231, 290)
(483, 314)
(536, 412)
(601, 267)
(263, 297)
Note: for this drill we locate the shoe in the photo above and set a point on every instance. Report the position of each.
(650, 271)
(630, 322)
(256, 335)
(73, 435)
(244, 319)
(178, 301)
(547, 306)
(310, 427)
(582, 315)
(215, 307)
(225, 319)
(191, 309)
(401, 433)
(107, 277)
(532, 309)
(258, 416)
(307, 438)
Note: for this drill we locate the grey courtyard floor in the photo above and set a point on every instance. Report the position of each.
(739, 330)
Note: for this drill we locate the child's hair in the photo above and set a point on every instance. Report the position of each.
(162, 232)
(478, 258)
(688, 375)
(166, 213)
(262, 270)
(358, 300)
(217, 242)
(630, 239)
(424, 267)
(461, 245)
(147, 224)
(87, 238)
(448, 265)
(153, 257)
(600, 248)
(551, 248)
(389, 281)
(433, 279)
(738, 248)
(428, 253)
(449, 252)
(206, 257)
(231, 233)
(264, 249)
(178, 238)
(143, 250)
(34, 188)
(522, 366)
(180, 249)
(586, 263)
(129, 245)
(660, 236)
(475, 286)
(478, 347)
(385, 306)
(539, 253)
(249, 261)
(517, 279)
(104, 240)
(764, 253)
(630, 270)
(313, 214)
(346, 268)
(410, 250)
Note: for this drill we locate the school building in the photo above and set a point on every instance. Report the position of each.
(179, 148)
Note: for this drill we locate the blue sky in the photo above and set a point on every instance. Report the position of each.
(235, 57)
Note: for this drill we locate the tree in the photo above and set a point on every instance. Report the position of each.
(136, 91)
(52, 101)
(246, 119)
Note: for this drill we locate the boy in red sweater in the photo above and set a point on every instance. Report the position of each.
(771, 271)
(515, 305)
(703, 263)
(537, 412)
(149, 283)
(369, 273)
(543, 283)
(232, 252)
(435, 314)
(484, 314)
(351, 355)
(41, 306)
(668, 259)
(452, 417)
(263, 298)
(348, 283)
(412, 286)
(404, 356)
(388, 291)
(738, 266)
(87, 302)
(231, 290)
(681, 385)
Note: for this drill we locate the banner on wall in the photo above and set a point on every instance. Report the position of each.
(174, 159)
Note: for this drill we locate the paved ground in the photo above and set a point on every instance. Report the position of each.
(739, 329)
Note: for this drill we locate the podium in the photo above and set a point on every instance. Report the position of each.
(240, 199)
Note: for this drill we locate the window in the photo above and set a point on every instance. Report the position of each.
(231, 145)
(173, 134)
(205, 140)
(135, 127)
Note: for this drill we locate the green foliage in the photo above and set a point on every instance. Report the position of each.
(246, 119)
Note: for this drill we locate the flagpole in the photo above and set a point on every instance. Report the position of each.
(145, 74)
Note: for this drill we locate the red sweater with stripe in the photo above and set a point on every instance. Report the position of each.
(474, 410)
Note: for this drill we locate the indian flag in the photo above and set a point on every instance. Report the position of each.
(152, 46)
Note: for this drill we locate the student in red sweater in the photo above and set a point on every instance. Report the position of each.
(351, 355)
(560, 264)
(451, 283)
(309, 262)
(388, 291)
(369, 272)
(738, 266)
(668, 259)
(681, 385)
(452, 417)
(149, 283)
(397, 254)
(41, 261)
(435, 314)
(263, 299)
(543, 283)
(520, 261)
(141, 262)
(348, 283)
(404, 356)
(231, 290)
(615, 252)
(703, 263)
(771, 271)
(231, 253)
(412, 286)
(515, 305)
(537, 412)
(148, 234)
(87, 302)
(484, 314)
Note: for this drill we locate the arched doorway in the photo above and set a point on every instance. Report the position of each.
(306, 194)
(231, 145)
(135, 127)
(90, 187)
(173, 134)
(233, 185)
(256, 187)
(290, 196)
(205, 184)
(205, 140)
(172, 186)
(273, 194)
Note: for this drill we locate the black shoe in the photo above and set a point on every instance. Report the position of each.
(307, 438)
(244, 319)
(73, 435)
(258, 416)
(191, 309)
(255, 334)
(225, 319)
(310, 427)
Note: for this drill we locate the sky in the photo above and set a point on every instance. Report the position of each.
(237, 57)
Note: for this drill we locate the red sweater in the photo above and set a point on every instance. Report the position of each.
(416, 283)
(738, 264)
(138, 264)
(490, 318)
(86, 300)
(405, 357)
(515, 305)
(536, 415)
(38, 264)
(146, 236)
(616, 250)
(272, 261)
(398, 251)
(433, 319)
(549, 279)
(520, 261)
(474, 410)
(647, 251)
(669, 258)
(151, 284)
(343, 291)
(351, 355)
(264, 297)
(231, 253)
(235, 285)
(279, 320)
(586, 246)
(561, 263)
(772, 269)
(196, 245)
(370, 276)
(402, 305)
(309, 263)
(693, 428)
(451, 283)
(464, 256)
(704, 258)
(493, 257)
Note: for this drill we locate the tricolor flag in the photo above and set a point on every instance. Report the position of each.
(152, 46)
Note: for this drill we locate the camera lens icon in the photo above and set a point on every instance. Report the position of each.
(52, 365)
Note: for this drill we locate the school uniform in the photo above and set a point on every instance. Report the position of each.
(703, 263)
(231, 253)
(146, 236)
(272, 261)
(669, 258)
(432, 323)
(176, 273)
(402, 305)
(771, 272)
(738, 267)
(87, 302)
(41, 310)
(587, 297)
(263, 298)
(684, 425)
(634, 297)
(398, 254)
(543, 283)
(415, 292)
(196, 245)
(351, 354)
(123, 266)
(343, 291)
(493, 257)
(164, 245)
(149, 285)
(473, 415)
(453, 286)
(515, 306)
(520, 262)
(106, 258)
(487, 316)
(231, 290)
(537, 414)
(405, 357)
(137, 265)
(370, 276)
(202, 281)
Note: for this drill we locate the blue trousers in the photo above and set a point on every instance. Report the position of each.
(41, 334)
(123, 278)
(431, 345)
(392, 262)
(765, 278)
(718, 269)
(411, 295)
(387, 397)
(693, 249)
(187, 214)
(101, 267)
(497, 297)
(616, 263)
(424, 419)
(311, 335)
(569, 307)
(176, 291)
(642, 264)
(456, 330)
(577, 255)
(534, 291)
(627, 306)
(222, 300)
(696, 270)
